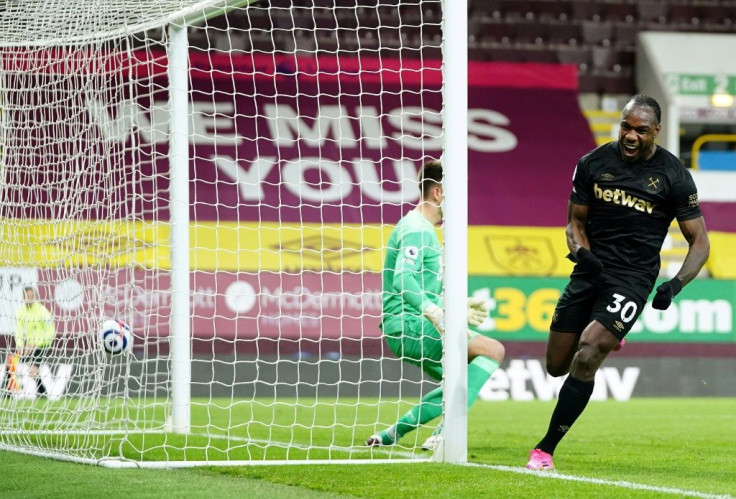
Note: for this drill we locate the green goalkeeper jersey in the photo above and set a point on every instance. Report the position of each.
(34, 326)
(412, 271)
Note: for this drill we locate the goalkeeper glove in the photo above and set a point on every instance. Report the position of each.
(436, 316)
(477, 311)
(586, 261)
(665, 293)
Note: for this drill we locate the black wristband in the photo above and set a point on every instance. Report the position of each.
(581, 253)
(676, 285)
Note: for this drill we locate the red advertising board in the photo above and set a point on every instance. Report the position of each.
(288, 306)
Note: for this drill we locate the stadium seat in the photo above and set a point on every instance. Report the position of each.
(620, 11)
(518, 9)
(218, 22)
(426, 52)
(524, 54)
(717, 15)
(303, 20)
(607, 83)
(491, 9)
(475, 30)
(390, 36)
(581, 56)
(625, 34)
(554, 11)
(531, 32)
(327, 42)
(389, 16)
(540, 55)
(595, 33)
(282, 19)
(564, 33)
(259, 20)
(587, 11)
(496, 32)
(478, 53)
(685, 14)
(198, 39)
(368, 38)
(506, 54)
(649, 12)
(612, 59)
(325, 21)
(346, 19)
(411, 35)
(431, 33)
(261, 41)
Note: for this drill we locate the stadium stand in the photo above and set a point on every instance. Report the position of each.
(600, 37)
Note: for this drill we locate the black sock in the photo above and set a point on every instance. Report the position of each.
(39, 386)
(574, 396)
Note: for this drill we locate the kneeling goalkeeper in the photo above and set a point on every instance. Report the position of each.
(413, 313)
(34, 336)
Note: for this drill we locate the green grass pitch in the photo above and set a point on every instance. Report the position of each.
(641, 448)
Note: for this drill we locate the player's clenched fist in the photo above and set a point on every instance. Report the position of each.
(587, 261)
(665, 293)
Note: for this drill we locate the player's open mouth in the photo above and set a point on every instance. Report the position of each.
(630, 149)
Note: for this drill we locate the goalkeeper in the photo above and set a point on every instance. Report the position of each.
(412, 321)
(34, 335)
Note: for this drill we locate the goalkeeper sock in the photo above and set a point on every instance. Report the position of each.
(40, 388)
(429, 408)
(479, 370)
(574, 396)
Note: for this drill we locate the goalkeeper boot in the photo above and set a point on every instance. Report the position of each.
(540, 460)
(383, 438)
(433, 441)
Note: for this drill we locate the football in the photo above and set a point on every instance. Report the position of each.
(116, 336)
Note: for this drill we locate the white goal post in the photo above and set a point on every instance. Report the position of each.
(223, 176)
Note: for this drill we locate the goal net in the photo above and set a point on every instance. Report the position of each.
(223, 177)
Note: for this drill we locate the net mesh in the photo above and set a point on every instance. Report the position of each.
(308, 121)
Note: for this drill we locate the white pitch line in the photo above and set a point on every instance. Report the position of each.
(598, 481)
(388, 450)
(522, 471)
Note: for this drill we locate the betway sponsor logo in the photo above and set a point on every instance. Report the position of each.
(620, 196)
(528, 380)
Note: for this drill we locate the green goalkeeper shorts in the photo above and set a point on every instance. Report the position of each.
(420, 344)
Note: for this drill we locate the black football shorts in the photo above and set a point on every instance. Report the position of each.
(607, 300)
(38, 356)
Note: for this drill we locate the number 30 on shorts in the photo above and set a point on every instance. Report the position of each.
(621, 303)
